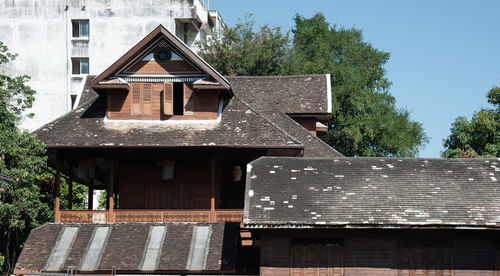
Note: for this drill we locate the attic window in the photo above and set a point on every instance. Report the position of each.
(178, 99)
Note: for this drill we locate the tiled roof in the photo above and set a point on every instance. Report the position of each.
(313, 146)
(373, 192)
(288, 94)
(131, 247)
(240, 125)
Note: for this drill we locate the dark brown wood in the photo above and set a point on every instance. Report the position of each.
(91, 194)
(213, 217)
(111, 201)
(70, 189)
(168, 98)
(380, 252)
(188, 99)
(57, 187)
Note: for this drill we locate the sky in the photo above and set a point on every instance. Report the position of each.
(445, 55)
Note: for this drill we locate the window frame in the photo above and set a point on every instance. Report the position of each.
(80, 64)
(79, 34)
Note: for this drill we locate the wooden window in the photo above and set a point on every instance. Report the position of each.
(188, 100)
(168, 98)
(178, 99)
(146, 99)
(136, 99)
(316, 256)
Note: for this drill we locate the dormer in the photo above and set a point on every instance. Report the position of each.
(160, 78)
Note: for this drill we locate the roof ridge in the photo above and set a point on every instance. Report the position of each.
(268, 120)
(277, 76)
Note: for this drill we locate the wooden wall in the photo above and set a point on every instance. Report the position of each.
(206, 105)
(152, 67)
(142, 187)
(308, 123)
(372, 252)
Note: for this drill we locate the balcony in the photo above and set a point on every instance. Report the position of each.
(104, 216)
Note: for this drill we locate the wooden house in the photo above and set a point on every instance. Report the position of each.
(375, 216)
(169, 138)
(211, 175)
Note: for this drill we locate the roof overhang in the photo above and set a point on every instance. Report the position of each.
(176, 43)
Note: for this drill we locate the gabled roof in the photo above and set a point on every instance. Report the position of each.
(373, 193)
(240, 125)
(313, 145)
(57, 247)
(302, 94)
(181, 48)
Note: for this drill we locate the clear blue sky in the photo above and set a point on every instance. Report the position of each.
(445, 55)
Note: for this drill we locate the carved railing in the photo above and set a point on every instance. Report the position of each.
(126, 215)
(84, 216)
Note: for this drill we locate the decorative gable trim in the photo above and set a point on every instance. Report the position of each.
(177, 45)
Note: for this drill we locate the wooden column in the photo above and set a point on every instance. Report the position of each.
(57, 201)
(111, 204)
(91, 194)
(70, 189)
(213, 216)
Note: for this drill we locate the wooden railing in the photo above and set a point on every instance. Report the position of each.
(93, 216)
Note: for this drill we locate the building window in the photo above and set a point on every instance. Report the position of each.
(80, 28)
(80, 65)
(178, 98)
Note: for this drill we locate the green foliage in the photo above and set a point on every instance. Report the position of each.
(365, 120)
(479, 137)
(26, 202)
(241, 51)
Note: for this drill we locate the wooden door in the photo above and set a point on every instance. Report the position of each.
(316, 259)
(425, 261)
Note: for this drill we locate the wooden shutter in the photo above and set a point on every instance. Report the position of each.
(146, 99)
(168, 98)
(136, 99)
(188, 99)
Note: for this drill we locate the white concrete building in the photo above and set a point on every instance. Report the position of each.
(59, 42)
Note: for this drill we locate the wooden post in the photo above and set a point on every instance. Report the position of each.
(70, 189)
(213, 216)
(91, 194)
(57, 202)
(111, 204)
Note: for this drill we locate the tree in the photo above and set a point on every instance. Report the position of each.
(241, 51)
(365, 120)
(27, 202)
(24, 204)
(479, 137)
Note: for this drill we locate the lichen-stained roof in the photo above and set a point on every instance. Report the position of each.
(372, 192)
(288, 94)
(313, 146)
(131, 247)
(85, 126)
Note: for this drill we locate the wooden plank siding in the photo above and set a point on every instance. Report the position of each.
(381, 253)
(150, 101)
(144, 188)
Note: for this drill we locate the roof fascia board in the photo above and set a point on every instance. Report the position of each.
(182, 48)
(329, 93)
